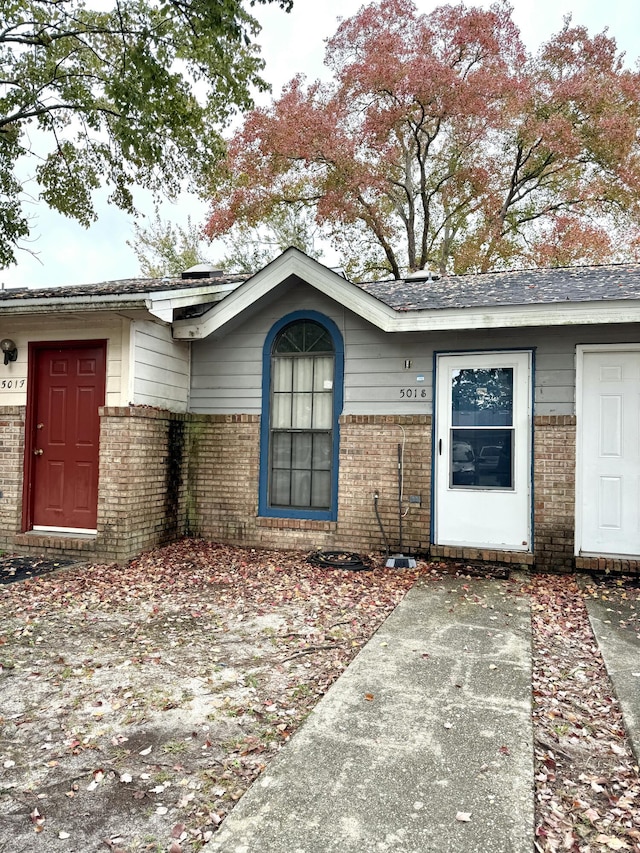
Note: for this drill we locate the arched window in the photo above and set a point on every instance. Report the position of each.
(302, 400)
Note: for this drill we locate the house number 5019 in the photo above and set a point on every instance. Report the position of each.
(12, 383)
(412, 393)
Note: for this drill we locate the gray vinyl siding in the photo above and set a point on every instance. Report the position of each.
(227, 371)
(160, 368)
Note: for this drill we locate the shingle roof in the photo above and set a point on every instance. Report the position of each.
(116, 288)
(520, 287)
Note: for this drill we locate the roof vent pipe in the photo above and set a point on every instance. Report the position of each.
(203, 271)
(422, 275)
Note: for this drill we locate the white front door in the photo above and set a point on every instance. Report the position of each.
(608, 474)
(483, 450)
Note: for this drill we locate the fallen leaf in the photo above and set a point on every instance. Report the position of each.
(37, 820)
(612, 842)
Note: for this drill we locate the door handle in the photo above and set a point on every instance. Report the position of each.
(38, 451)
(440, 447)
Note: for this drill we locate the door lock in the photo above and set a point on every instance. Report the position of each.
(38, 451)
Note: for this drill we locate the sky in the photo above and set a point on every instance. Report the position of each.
(63, 252)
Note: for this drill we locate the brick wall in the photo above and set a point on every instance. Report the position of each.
(12, 419)
(225, 473)
(164, 475)
(144, 455)
(223, 476)
(369, 465)
(554, 491)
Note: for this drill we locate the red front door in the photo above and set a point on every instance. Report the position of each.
(69, 388)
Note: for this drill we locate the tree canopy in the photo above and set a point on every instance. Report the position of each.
(251, 248)
(164, 248)
(441, 142)
(131, 95)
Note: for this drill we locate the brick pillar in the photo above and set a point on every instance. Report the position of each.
(143, 479)
(554, 483)
(12, 424)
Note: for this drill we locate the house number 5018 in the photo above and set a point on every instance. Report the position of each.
(12, 383)
(412, 393)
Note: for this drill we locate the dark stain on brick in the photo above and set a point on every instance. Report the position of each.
(174, 477)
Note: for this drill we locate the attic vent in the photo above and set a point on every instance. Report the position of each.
(202, 271)
(422, 275)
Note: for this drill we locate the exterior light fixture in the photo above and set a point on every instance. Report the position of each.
(9, 349)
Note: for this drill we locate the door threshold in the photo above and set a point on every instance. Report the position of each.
(485, 555)
(67, 531)
(602, 555)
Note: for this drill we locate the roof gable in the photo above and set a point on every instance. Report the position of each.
(292, 263)
(540, 297)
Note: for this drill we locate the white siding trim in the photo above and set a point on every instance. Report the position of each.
(161, 367)
(70, 327)
(128, 363)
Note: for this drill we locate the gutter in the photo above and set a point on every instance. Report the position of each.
(159, 303)
(446, 319)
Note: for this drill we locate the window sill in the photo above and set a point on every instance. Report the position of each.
(296, 523)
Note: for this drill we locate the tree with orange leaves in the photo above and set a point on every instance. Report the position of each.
(441, 142)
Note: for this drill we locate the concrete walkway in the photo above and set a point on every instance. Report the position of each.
(616, 629)
(423, 746)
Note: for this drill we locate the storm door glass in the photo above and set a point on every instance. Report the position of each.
(482, 430)
(301, 428)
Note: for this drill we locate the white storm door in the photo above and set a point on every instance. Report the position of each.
(483, 450)
(608, 493)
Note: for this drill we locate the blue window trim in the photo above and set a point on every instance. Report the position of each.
(264, 509)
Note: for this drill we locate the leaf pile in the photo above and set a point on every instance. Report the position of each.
(140, 702)
(587, 783)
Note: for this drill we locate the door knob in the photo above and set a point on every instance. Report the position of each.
(38, 452)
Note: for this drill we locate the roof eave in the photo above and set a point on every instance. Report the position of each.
(517, 316)
(160, 303)
(73, 303)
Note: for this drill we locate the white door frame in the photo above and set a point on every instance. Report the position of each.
(520, 538)
(581, 350)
